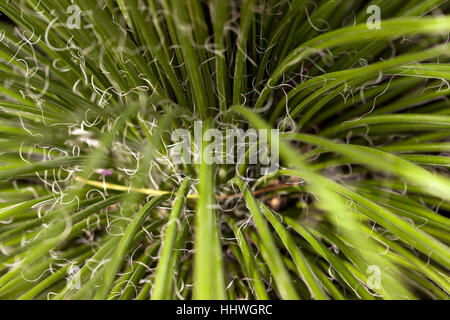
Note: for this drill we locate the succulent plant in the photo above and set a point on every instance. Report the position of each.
(93, 204)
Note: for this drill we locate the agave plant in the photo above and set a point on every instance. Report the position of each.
(93, 206)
